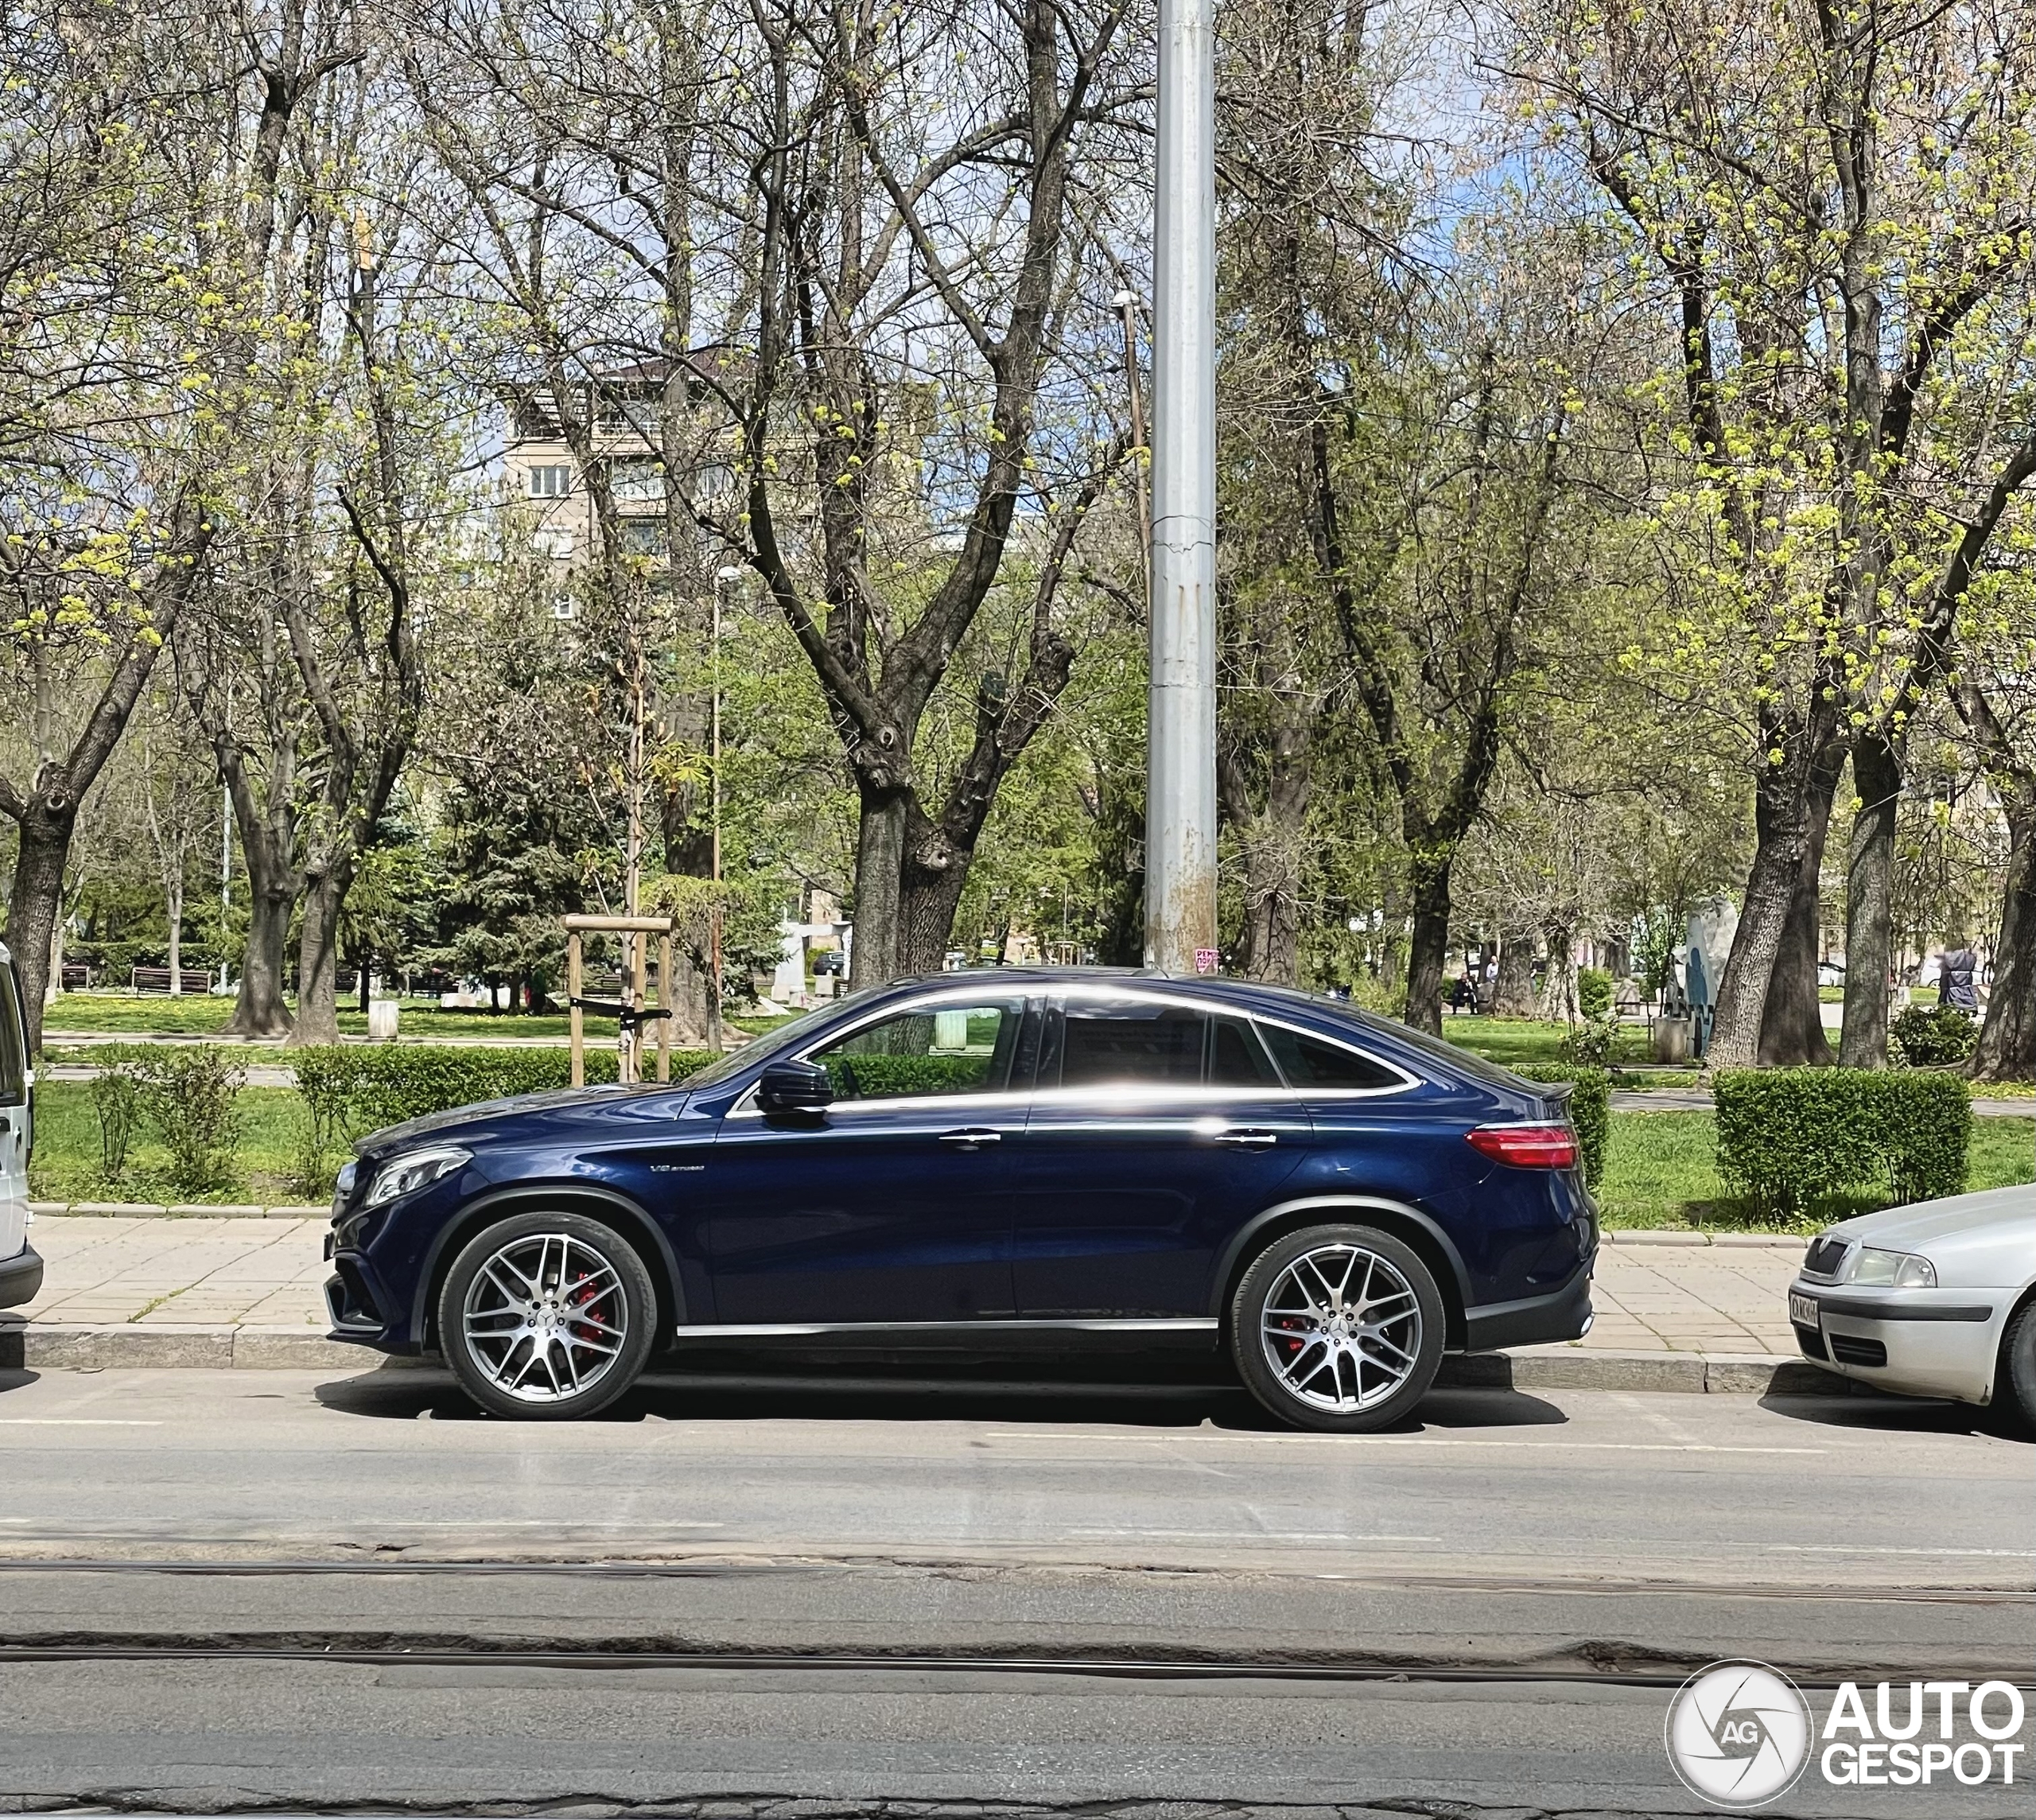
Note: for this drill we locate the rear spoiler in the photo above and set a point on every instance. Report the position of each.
(1557, 1090)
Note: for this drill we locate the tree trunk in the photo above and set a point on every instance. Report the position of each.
(1869, 903)
(1513, 992)
(33, 904)
(259, 1010)
(1558, 998)
(1430, 945)
(2006, 1048)
(1792, 1020)
(175, 907)
(880, 861)
(318, 959)
(927, 899)
(1782, 822)
(1274, 845)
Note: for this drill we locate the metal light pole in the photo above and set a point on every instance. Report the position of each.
(724, 578)
(1180, 763)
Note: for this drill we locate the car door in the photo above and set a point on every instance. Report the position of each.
(14, 1117)
(892, 1205)
(1158, 1126)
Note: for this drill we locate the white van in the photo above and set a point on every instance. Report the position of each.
(21, 1270)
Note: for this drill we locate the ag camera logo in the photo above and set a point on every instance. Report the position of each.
(1739, 1733)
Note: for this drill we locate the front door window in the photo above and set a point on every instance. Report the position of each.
(926, 1052)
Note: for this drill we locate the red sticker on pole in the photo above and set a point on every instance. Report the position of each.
(1205, 960)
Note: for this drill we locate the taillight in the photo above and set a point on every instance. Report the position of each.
(1527, 1146)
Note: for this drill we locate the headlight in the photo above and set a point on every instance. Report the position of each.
(1891, 1270)
(417, 1170)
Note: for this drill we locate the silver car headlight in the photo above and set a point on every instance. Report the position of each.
(1875, 1269)
(419, 1169)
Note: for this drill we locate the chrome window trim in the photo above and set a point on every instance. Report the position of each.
(746, 1106)
(1406, 1080)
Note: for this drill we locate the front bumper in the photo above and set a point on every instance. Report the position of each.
(1537, 1320)
(362, 1311)
(20, 1278)
(1922, 1343)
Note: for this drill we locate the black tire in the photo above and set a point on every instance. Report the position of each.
(1334, 1374)
(546, 1316)
(2018, 1364)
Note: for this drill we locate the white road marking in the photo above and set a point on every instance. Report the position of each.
(1428, 1441)
(1249, 1535)
(1820, 1548)
(73, 1422)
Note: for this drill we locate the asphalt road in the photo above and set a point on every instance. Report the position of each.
(315, 1593)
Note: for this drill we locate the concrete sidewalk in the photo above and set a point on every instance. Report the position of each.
(1676, 1310)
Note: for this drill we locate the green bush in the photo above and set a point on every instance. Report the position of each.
(1590, 1111)
(1787, 1136)
(117, 1102)
(1594, 991)
(1933, 1036)
(189, 1095)
(894, 1077)
(351, 1089)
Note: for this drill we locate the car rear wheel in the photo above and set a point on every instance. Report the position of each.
(1338, 1327)
(546, 1316)
(2019, 1362)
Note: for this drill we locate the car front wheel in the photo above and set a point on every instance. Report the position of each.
(1338, 1327)
(2018, 1363)
(546, 1315)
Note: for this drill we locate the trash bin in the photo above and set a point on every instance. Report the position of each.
(1672, 1039)
(382, 1021)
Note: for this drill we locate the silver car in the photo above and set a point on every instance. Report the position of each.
(21, 1270)
(1934, 1299)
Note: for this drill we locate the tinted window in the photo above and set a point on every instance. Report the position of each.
(13, 1079)
(1129, 1041)
(938, 1049)
(1236, 1058)
(1310, 1062)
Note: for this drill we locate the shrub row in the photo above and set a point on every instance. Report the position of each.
(353, 1088)
(1590, 1111)
(1787, 1136)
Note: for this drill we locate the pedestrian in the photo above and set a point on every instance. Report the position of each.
(1957, 971)
(1463, 994)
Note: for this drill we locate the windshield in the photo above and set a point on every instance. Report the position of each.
(773, 1041)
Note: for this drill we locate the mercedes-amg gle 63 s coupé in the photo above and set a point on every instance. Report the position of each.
(990, 1161)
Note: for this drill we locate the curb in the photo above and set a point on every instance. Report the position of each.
(57, 1346)
(186, 1210)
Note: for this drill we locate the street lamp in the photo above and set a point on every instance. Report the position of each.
(1180, 761)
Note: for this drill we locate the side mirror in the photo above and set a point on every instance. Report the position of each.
(794, 1087)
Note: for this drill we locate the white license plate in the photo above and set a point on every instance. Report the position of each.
(1803, 1309)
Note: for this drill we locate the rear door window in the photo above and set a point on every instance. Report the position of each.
(1131, 1042)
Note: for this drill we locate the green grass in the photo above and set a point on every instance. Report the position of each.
(1527, 1042)
(66, 1163)
(1661, 1170)
(106, 1013)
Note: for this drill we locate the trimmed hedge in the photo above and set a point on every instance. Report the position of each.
(893, 1077)
(1787, 1136)
(1590, 1111)
(354, 1088)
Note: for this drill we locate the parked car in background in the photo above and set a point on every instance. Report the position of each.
(21, 1270)
(1937, 1299)
(1010, 1159)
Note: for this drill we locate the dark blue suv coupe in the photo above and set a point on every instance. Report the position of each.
(988, 1160)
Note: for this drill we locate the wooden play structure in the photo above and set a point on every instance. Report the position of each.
(632, 1011)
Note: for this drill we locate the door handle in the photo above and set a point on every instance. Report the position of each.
(1248, 1137)
(972, 1138)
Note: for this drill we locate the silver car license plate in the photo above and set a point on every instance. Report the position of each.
(1803, 1309)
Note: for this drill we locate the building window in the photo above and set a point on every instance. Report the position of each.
(553, 481)
(638, 482)
(553, 543)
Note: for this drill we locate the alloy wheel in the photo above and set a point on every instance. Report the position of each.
(545, 1317)
(1341, 1329)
